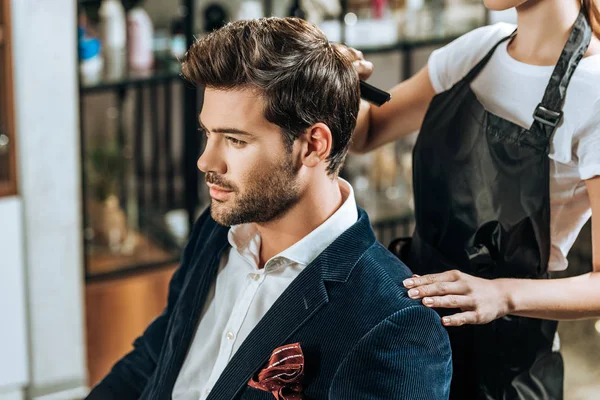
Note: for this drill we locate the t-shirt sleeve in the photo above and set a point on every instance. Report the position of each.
(449, 64)
(588, 146)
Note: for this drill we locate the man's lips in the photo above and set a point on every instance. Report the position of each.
(218, 193)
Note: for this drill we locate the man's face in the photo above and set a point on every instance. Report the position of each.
(252, 177)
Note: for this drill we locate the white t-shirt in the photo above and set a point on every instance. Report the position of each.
(512, 90)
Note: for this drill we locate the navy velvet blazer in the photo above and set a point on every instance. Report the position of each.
(361, 335)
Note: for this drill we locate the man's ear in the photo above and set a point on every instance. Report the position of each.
(316, 143)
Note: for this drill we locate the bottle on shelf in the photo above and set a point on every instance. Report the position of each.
(379, 8)
(139, 39)
(89, 51)
(90, 59)
(112, 23)
(113, 37)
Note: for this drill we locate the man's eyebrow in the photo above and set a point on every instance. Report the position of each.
(234, 131)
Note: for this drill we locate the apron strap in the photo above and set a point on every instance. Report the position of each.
(477, 69)
(548, 114)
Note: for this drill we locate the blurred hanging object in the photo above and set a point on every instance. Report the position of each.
(296, 10)
(215, 17)
(178, 44)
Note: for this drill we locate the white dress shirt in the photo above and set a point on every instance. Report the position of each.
(243, 293)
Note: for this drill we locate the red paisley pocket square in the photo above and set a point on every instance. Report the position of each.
(283, 375)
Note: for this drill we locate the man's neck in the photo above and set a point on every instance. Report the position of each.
(319, 203)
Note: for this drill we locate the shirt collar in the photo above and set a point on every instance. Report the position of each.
(245, 237)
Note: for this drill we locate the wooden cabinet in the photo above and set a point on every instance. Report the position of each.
(8, 179)
(117, 312)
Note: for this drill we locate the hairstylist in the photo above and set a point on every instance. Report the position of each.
(506, 173)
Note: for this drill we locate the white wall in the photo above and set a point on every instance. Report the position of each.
(13, 395)
(45, 67)
(13, 335)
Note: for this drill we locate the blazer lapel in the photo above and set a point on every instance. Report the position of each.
(304, 297)
(186, 313)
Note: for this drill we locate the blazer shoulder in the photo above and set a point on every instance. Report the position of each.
(377, 278)
(385, 262)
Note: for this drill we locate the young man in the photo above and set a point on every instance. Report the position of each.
(283, 291)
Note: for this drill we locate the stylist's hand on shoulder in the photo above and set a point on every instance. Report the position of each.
(480, 300)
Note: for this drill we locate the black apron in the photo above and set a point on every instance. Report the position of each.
(481, 187)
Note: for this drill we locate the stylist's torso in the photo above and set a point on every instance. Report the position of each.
(499, 193)
(512, 90)
(482, 167)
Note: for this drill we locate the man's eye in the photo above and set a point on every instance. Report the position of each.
(235, 142)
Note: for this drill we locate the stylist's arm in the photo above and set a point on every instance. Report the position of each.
(481, 300)
(401, 116)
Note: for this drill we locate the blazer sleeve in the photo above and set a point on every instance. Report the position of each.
(406, 356)
(129, 376)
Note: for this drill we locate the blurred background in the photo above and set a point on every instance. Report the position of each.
(98, 177)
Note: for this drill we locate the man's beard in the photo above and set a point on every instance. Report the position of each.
(267, 197)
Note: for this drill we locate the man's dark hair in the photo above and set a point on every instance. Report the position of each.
(301, 76)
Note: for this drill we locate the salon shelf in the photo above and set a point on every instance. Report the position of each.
(164, 71)
(170, 70)
(90, 2)
(155, 247)
(408, 43)
(152, 176)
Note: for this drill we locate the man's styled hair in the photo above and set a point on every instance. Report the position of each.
(301, 76)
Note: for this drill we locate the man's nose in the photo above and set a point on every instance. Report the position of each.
(211, 159)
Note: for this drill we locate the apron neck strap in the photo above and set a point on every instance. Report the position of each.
(548, 114)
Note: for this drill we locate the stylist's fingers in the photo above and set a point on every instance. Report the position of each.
(438, 289)
(448, 276)
(364, 69)
(450, 301)
(469, 317)
(356, 54)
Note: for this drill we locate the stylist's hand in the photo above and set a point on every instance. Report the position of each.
(362, 66)
(480, 300)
